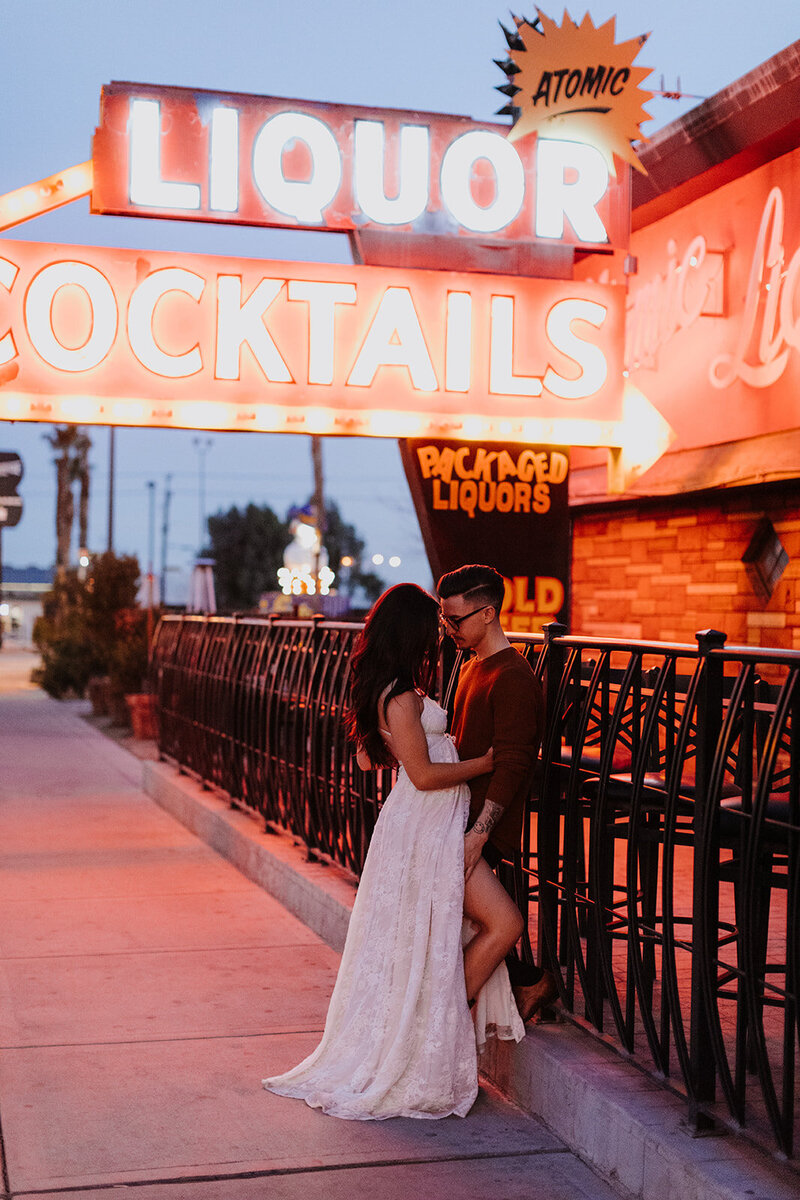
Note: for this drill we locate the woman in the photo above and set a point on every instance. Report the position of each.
(399, 1038)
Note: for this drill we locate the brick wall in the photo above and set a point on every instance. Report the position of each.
(664, 571)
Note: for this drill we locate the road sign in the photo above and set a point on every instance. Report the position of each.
(10, 475)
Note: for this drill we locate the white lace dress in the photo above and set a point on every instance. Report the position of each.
(399, 1038)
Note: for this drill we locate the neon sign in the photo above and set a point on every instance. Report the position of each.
(138, 338)
(691, 286)
(713, 325)
(209, 156)
(770, 321)
(576, 82)
(501, 503)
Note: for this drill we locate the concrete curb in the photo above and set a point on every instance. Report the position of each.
(623, 1124)
(320, 896)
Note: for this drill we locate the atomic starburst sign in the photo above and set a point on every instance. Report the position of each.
(575, 83)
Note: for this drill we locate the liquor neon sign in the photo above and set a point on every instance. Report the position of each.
(212, 156)
(127, 337)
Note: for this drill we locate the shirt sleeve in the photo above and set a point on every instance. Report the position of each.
(517, 710)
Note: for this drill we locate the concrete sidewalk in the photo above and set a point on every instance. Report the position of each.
(146, 987)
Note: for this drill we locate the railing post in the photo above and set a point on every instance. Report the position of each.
(705, 890)
(547, 836)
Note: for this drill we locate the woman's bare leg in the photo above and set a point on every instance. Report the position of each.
(500, 925)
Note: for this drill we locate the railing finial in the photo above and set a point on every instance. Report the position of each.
(710, 639)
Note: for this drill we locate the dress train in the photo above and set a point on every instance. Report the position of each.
(399, 1038)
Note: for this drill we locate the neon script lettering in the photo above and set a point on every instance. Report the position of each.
(770, 327)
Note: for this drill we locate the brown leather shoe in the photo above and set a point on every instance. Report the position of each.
(530, 1000)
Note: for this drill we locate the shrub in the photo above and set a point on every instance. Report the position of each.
(69, 657)
(81, 632)
(111, 587)
(128, 665)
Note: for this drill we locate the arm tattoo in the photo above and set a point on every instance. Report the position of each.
(489, 816)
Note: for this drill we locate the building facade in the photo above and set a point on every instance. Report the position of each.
(709, 536)
(21, 592)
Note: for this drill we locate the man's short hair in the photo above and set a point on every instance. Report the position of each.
(474, 582)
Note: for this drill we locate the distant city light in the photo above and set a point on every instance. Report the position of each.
(395, 560)
(377, 559)
(300, 580)
(346, 561)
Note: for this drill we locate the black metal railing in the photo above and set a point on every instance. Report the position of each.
(660, 864)
(254, 707)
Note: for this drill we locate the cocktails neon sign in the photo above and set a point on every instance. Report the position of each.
(170, 152)
(116, 336)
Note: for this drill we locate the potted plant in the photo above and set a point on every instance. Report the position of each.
(99, 692)
(111, 586)
(130, 701)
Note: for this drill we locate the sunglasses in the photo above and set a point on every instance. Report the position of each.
(455, 623)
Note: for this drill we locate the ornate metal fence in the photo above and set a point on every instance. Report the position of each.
(254, 708)
(660, 865)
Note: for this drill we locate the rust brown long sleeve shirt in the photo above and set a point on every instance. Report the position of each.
(499, 703)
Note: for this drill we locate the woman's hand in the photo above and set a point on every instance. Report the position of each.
(487, 762)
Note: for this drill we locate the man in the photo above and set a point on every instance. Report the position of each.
(498, 702)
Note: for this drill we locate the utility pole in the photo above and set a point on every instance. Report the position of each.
(165, 540)
(111, 432)
(151, 541)
(202, 445)
(318, 499)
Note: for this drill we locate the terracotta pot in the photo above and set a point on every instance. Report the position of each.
(118, 710)
(143, 717)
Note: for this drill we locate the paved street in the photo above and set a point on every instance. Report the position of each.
(145, 989)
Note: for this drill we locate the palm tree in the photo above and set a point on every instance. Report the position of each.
(62, 439)
(80, 466)
(72, 464)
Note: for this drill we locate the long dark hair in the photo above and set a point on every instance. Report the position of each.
(397, 648)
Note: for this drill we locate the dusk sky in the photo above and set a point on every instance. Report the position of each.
(55, 55)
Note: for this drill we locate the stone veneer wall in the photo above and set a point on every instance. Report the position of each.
(663, 570)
